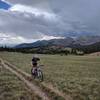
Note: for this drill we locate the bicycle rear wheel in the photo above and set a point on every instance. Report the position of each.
(34, 73)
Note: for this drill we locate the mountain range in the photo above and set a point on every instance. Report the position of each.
(66, 42)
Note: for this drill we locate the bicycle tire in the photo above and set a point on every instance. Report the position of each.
(40, 75)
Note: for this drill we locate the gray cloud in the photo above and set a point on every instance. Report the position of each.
(69, 15)
(19, 23)
(84, 11)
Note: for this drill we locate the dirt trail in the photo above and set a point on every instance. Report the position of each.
(30, 85)
(26, 78)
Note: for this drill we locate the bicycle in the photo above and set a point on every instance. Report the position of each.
(37, 73)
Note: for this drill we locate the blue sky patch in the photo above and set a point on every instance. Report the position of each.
(4, 5)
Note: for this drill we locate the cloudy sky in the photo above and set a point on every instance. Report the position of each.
(31, 20)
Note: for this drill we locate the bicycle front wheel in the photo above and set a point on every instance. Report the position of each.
(40, 75)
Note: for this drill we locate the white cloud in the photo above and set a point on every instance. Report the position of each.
(36, 11)
(48, 37)
(12, 40)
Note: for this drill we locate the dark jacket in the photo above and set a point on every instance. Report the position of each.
(34, 60)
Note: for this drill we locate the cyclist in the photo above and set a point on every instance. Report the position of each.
(34, 64)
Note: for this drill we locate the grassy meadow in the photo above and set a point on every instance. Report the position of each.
(78, 76)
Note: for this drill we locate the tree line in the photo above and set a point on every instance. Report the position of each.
(44, 50)
(75, 50)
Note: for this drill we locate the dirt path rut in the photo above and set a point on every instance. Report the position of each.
(30, 85)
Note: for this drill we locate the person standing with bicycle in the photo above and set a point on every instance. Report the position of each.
(34, 64)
